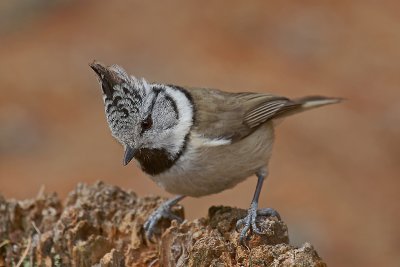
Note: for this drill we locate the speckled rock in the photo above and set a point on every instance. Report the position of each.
(102, 225)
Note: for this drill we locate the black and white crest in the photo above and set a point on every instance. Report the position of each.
(122, 106)
(152, 121)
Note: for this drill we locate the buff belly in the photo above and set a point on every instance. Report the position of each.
(205, 170)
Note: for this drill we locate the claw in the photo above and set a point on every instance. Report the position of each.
(239, 224)
(162, 212)
(243, 236)
(269, 212)
(249, 222)
(255, 228)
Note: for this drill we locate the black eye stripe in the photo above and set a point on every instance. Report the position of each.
(154, 101)
(146, 124)
(173, 104)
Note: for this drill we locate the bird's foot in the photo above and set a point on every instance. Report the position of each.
(151, 226)
(249, 223)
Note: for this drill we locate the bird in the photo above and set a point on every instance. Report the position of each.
(196, 141)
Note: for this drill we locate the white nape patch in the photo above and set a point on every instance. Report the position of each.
(316, 103)
(201, 141)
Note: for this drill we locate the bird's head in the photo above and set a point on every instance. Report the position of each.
(144, 117)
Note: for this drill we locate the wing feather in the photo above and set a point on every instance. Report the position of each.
(231, 116)
(221, 115)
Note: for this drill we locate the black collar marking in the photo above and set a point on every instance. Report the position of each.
(156, 161)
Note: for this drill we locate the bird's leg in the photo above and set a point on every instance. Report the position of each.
(164, 211)
(249, 222)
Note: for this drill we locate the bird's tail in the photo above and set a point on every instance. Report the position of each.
(305, 103)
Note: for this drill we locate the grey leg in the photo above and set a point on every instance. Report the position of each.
(164, 211)
(249, 222)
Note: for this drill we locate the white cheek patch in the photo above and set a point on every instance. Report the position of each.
(185, 122)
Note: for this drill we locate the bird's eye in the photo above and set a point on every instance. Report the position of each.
(147, 123)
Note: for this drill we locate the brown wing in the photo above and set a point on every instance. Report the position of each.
(223, 115)
(268, 109)
(232, 116)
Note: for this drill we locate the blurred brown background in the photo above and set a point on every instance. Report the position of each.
(334, 175)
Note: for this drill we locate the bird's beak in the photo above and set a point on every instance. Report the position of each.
(129, 154)
(107, 77)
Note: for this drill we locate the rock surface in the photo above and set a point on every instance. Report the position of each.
(101, 225)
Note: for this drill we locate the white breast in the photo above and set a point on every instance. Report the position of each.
(211, 166)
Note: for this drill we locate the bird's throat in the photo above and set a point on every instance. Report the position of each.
(155, 161)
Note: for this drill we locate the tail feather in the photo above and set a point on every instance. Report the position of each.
(282, 107)
(305, 103)
(317, 101)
